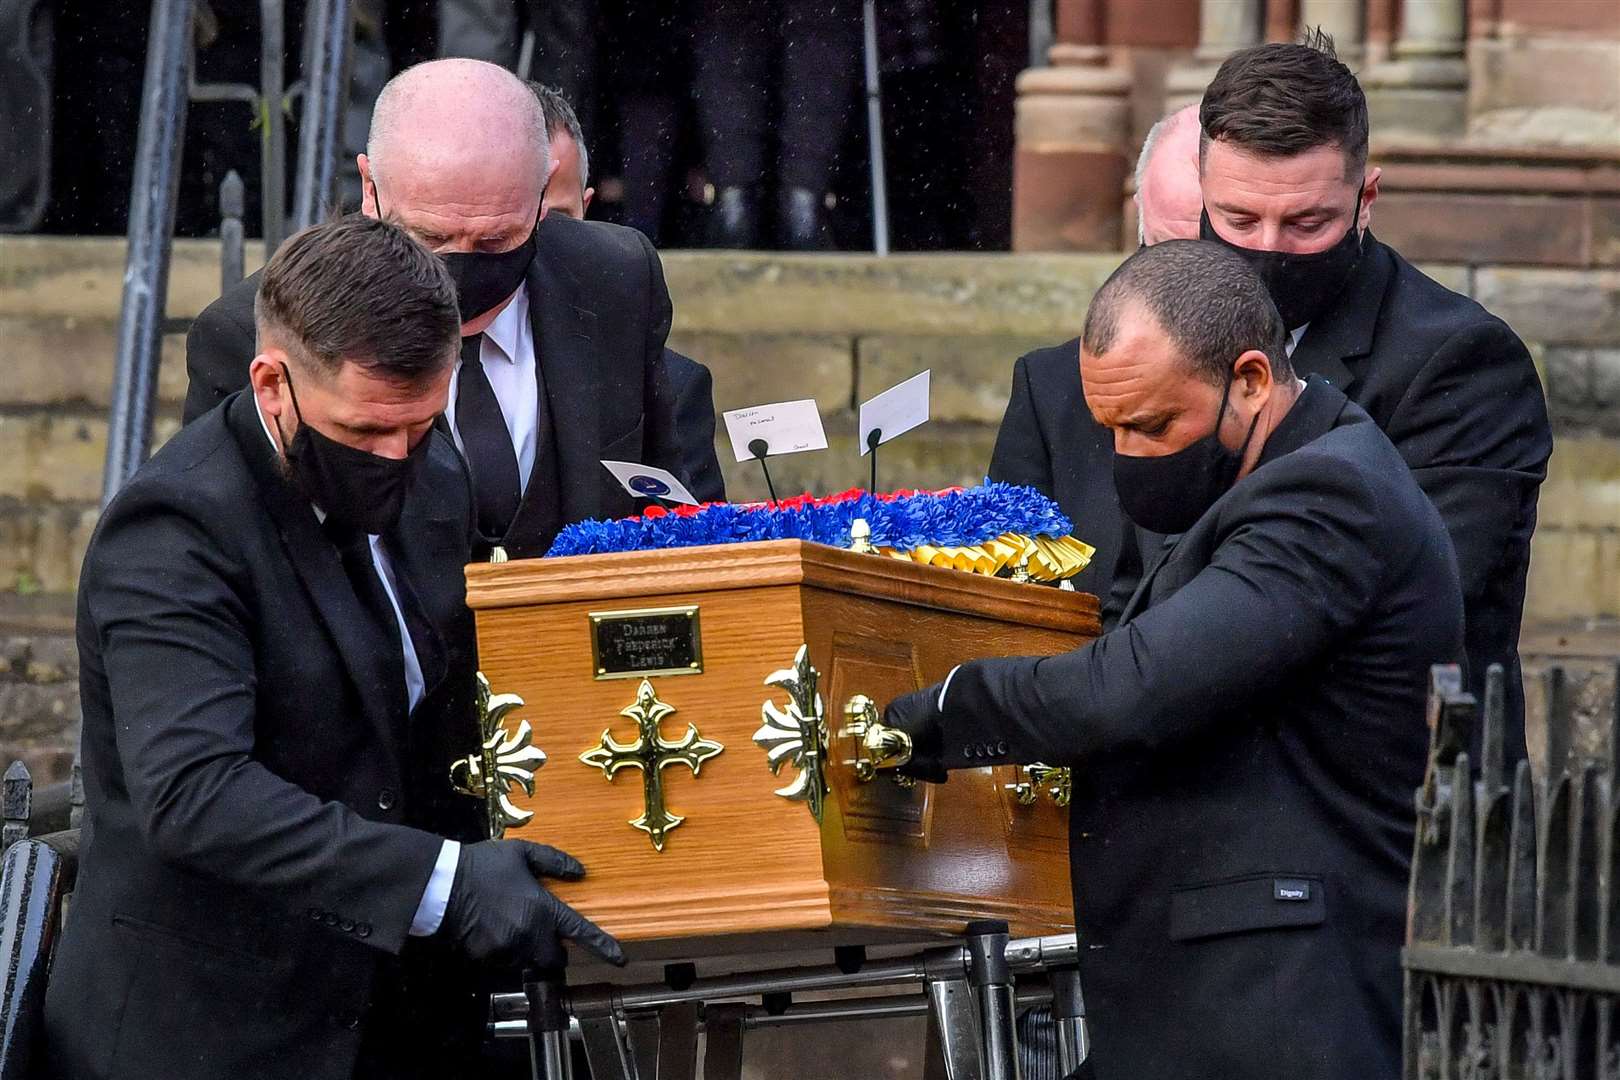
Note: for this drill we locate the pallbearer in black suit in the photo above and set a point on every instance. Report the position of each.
(564, 321)
(277, 669)
(1246, 742)
(1286, 184)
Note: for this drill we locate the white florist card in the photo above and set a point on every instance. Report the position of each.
(649, 482)
(787, 427)
(894, 412)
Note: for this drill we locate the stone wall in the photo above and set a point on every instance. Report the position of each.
(770, 327)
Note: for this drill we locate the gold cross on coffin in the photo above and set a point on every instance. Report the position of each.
(652, 754)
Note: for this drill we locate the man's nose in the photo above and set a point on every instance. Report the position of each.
(395, 445)
(1273, 237)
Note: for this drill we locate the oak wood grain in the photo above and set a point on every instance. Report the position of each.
(747, 865)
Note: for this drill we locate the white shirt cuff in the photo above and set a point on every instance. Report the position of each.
(436, 897)
(946, 685)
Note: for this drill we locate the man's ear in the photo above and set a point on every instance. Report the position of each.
(1369, 195)
(369, 202)
(551, 174)
(1254, 376)
(267, 377)
(585, 200)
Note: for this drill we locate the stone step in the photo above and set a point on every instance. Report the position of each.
(39, 684)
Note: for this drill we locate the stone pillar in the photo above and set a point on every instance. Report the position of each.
(1282, 20)
(1381, 16)
(1224, 26)
(1074, 145)
(1342, 20)
(1423, 91)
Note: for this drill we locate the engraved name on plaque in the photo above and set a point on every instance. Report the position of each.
(634, 644)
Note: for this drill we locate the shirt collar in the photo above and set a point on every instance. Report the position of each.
(1312, 414)
(507, 328)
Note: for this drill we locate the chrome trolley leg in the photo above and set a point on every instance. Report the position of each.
(991, 978)
(549, 1055)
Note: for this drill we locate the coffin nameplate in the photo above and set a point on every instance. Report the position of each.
(641, 642)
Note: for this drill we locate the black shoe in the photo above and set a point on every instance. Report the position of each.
(802, 218)
(734, 219)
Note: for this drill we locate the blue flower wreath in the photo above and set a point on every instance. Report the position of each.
(959, 517)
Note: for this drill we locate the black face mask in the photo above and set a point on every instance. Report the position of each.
(1168, 494)
(1302, 286)
(356, 488)
(483, 279)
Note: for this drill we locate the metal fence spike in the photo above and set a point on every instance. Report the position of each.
(1522, 864)
(1552, 876)
(1460, 858)
(16, 804)
(1560, 736)
(1491, 775)
(1494, 812)
(1584, 898)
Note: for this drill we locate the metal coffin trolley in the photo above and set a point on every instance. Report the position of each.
(708, 721)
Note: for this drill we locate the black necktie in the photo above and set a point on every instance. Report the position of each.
(490, 456)
(354, 551)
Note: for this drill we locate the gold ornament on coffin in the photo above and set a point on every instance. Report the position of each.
(1021, 557)
(797, 735)
(878, 747)
(1036, 779)
(651, 753)
(502, 761)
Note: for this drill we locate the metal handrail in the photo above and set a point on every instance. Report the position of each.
(153, 194)
(328, 55)
(166, 92)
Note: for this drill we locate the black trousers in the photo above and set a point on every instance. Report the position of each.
(809, 53)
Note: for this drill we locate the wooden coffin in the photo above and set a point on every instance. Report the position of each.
(886, 862)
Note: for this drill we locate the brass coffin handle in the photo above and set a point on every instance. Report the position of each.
(877, 746)
(1037, 779)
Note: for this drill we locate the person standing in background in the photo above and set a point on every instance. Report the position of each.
(815, 45)
(682, 411)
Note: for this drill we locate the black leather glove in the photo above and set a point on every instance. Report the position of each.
(917, 714)
(499, 912)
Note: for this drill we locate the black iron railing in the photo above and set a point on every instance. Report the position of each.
(1513, 943)
(166, 92)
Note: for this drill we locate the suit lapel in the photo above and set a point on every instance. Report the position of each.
(1345, 333)
(562, 486)
(315, 560)
(1145, 589)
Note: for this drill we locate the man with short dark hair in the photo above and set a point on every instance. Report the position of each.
(568, 192)
(277, 668)
(1286, 185)
(1246, 742)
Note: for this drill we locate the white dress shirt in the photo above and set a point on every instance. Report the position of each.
(509, 363)
(430, 912)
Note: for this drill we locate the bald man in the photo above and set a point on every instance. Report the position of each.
(562, 361)
(1047, 439)
(1168, 200)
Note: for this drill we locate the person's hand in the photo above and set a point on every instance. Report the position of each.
(498, 910)
(917, 714)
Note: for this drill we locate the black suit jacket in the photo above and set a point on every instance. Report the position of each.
(1246, 745)
(263, 815)
(1450, 384)
(608, 386)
